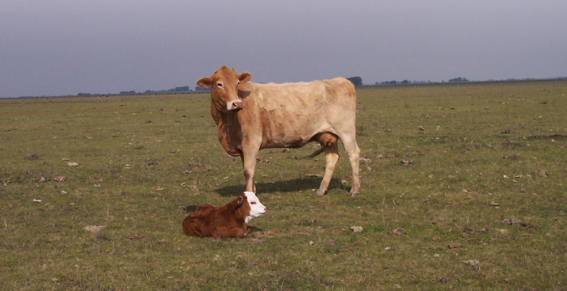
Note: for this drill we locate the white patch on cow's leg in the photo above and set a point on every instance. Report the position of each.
(234, 105)
(353, 152)
(249, 165)
(331, 158)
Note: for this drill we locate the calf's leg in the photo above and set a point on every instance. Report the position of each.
(224, 232)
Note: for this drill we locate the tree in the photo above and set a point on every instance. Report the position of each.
(197, 88)
(182, 89)
(459, 79)
(357, 81)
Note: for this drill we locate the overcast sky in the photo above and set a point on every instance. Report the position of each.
(65, 47)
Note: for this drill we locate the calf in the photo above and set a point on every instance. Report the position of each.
(229, 220)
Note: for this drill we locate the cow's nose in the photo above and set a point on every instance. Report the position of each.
(235, 104)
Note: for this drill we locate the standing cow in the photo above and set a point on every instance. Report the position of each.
(252, 116)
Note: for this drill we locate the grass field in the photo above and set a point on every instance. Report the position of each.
(479, 203)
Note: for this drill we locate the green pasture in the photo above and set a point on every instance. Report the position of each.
(462, 188)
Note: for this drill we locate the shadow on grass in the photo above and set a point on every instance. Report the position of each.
(281, 186)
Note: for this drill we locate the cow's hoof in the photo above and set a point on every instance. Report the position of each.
(321, 192)
(353, 194)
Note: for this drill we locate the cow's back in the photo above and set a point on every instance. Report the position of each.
(295, 97)
(290, 114)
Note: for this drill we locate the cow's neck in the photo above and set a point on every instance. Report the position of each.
(217, 114)
(222, 118)
(227, 128)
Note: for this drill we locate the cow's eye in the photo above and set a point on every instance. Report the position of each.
(252, 203)
(220, 84)
(237, 83)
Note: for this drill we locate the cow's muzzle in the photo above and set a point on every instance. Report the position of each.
(234, 105)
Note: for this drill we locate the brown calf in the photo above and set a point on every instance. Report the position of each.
(229, 220)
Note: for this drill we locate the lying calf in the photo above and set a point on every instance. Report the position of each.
(229, 220)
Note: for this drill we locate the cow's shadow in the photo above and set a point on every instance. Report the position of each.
(281, 186)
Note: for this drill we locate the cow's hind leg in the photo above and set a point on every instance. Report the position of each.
(331, 158)
(353, 152)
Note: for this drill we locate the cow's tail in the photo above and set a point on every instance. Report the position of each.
(315, 153)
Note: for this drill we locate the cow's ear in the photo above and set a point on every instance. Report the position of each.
(239, 200)
(205, 82)
(244, 77)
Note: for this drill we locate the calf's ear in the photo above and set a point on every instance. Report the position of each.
(244, 77)
(239, 200)
(205, 82)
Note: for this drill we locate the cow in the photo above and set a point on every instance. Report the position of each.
(229, 220)
(252, 116)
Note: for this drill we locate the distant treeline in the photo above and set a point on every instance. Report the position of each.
(357, 81)
(174, 90)
(181, 89)
(407, 82)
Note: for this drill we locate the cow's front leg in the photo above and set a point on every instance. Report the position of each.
(249, 164)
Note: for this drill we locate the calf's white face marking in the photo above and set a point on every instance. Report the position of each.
(256, 208)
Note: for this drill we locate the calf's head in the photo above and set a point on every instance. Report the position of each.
(224, 88)
(250, 202)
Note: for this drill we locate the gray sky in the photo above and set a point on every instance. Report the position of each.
(64, 47)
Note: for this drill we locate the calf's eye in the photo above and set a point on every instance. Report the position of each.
(252, 203)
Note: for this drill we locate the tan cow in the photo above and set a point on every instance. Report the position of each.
(252, 116)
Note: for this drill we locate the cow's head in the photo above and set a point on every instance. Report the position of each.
(224, 88)
(256, 208)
